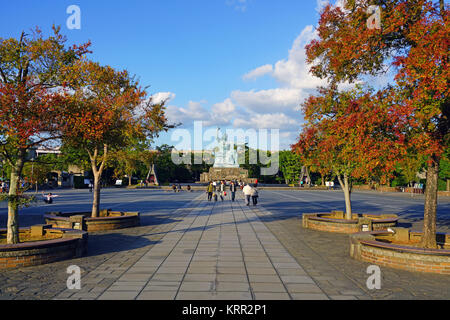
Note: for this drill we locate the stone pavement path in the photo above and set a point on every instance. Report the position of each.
(109, 254)
(217, 251)
(325, 256)
(225, 250)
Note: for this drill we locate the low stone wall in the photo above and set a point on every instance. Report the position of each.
(336, 222)
(397, 250)
(379, 188)
(397, 189)
(108, 220)
(58, 244)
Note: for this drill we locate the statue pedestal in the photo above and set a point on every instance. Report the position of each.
(216, 174)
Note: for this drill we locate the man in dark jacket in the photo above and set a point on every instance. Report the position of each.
(233, 190)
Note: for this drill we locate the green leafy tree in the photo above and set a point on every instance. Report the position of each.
(290, 165)
(37, 171)
(444, 167)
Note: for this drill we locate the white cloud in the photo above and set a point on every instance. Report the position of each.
(222, 112)
(294, 71)
(266, 101)
(267, 121)
(163, 96)
(258, 72)
(194, 112)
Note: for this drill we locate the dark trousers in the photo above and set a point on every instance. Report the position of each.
(247, 199)
(233, 195)
(209, 196)
(255, 200)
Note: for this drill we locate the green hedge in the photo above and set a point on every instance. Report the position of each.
(442, 184)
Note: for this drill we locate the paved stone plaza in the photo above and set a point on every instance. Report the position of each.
(188, 248)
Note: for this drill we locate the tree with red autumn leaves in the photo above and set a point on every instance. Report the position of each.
(108, 111)
(413, 39)
(353, 134)
(30, 104)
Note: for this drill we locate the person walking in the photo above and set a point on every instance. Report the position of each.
(232, 190)
(247, 190)
(209, 190)
(222, 190)
(254, 194)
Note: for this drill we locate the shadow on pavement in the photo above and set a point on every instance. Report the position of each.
(99, 244)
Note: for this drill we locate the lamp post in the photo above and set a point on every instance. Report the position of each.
(32, 170)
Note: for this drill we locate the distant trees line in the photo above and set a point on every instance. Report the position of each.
(133, 165)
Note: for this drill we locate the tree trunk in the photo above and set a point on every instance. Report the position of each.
(12, 236)
(129, 180)
(97, 178)
(429, 221)
(347, 195)
(448, 184)
(323, 179)
(155, 177)
(13, 218)
(96, 191)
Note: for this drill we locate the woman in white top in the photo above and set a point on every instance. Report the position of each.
(247, 190)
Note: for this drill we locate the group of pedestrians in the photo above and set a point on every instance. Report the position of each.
(178, 188)
(219, 189)
(250, 192)
(216, 189)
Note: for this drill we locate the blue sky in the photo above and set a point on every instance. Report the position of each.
(228, 63)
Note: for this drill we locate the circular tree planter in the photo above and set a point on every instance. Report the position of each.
(42, 244)
(336, 222)
(400, 249)
(108, 220)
